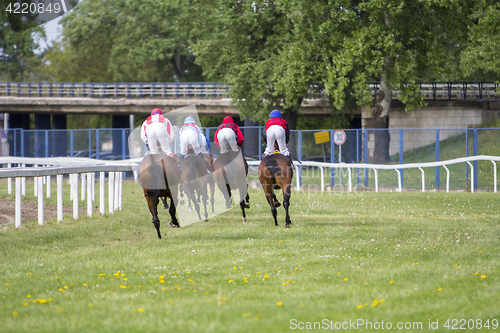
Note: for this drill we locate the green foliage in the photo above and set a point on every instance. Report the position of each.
(18, 61)
(130, 41)
(481, 59)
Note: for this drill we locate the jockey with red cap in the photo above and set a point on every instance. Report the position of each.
(228, 135)
(277, 131)
(157, 129)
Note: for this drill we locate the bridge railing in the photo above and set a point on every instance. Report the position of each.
(430, 90)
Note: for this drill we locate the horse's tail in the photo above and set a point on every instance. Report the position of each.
(273, 166)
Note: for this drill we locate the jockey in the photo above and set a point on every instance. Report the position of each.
(190, 135)
(157, 129)
(277, 130)
(228, 136)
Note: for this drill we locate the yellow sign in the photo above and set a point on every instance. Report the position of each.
(322, 137)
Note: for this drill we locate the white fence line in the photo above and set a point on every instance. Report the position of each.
(72, 167)
(88, 167)
(397, 168)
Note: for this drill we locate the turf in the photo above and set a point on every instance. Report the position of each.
(411, 258)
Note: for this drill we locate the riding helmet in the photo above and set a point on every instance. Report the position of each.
(156, 111)
(275, 114)
(189, 120)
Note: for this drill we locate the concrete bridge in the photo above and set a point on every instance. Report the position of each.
(450, 104)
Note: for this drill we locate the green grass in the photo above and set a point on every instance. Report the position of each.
(421, 256)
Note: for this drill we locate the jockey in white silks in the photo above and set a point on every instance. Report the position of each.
(157, 129)
(190, 135)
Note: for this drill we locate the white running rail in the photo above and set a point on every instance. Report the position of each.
(76, 168)
(397, 168)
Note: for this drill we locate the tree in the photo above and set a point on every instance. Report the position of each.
(481, 58)
(122, 40)
(17, 49)
(243, 43)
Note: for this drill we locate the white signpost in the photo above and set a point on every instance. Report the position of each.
(339, 138)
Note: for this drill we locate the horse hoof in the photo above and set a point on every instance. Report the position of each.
(246, 205)
(287, 225)
(245, 220)
(182, 202)
(173, 225)
(229, 206)
(277, 203)
(191, 209)
(207, 220)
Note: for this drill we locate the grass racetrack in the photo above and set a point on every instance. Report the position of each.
(405, 259)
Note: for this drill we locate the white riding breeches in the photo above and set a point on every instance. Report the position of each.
(189, 138)
(227, 140)
(278, 134)
(157, 132)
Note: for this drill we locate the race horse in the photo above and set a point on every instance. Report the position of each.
(230, 172)
(194, 180)
(276, 171)
(159, 177)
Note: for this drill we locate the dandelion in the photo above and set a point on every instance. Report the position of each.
(14, 313)
(483, 276)
(392, 281)
(279, 303)
(42, 301)
(133, 311)
(166, 312)
(125, 279)
(90, 305)
(360, 306)
(123, 287)
(28, 274)
(65, 287)
(284, 283)
(476, 273)
(59, 308)
(345, 279)
(230, 281)
(84, 284)
(141, 310)
(246, 314)
(439, 289)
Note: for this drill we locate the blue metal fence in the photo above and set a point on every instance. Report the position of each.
(406, 146)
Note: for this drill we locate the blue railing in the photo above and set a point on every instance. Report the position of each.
(405, 146)
(430, 90)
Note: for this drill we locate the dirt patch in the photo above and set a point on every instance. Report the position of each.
(29, 211)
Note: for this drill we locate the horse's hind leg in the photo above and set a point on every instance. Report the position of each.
(286, 204)
(165, 203)
(174, 223)
(153, 208)
(211, 183)
(269, 196)
(276, 201)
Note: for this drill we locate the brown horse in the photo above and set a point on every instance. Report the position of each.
(194, 181)
(159, 177)
(230, 172)
(276, 171)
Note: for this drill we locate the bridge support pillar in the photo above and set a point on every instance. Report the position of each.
(59, 146)
(20, 120)
(251, 144)
(119, 142)
(42, 122)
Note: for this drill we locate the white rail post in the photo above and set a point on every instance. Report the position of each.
(350, 179)
(375, 171)
(322, 173)
(117, 191)
(400, 189)
(18, 202)
(59, 198)
(111, 190)
(89, 195)
(447, 178)
(92, 175)
(83, 187)
(9, 181)
(74, 189)
(297, 175)
(423, 178)
(121, 191)
(49, 189)
(471, 177)
(23, 181)
(494, 176)
(40, 200)
(102, 179)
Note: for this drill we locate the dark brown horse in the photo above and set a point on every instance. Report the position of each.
(276, 171)
(230, 172)
(194, 181)
(159, 177)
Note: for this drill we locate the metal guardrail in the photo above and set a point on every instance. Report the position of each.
(430, 90)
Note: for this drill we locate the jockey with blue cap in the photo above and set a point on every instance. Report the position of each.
(277, 131)
(190, 135)
(157, 129)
